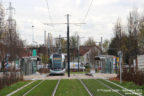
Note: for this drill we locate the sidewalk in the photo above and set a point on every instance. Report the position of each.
(72, 76)
(104, 75)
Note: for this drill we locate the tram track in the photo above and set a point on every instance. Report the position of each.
(54, 92)
(10, 94)
(33, 88)
(86, 88)
(110, 87)
(115, 89)
(137, 94)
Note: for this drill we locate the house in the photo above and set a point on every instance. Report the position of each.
(140, 62)
(88, 53)
(106, 63)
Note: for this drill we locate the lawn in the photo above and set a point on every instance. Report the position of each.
(121, 90)
(71, 88)
(98, 89)
(27, 88)
(8, 89)
(44, 89)
(131, 85)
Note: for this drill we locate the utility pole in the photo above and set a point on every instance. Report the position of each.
(101, 44)
(60, 49)
(120, 54)
(48, 44)
(45, 38)
(11, 27)
(33, 34)
(45, 47)
(68, 53)
(78, 51)
(59, 40)
(11, 21)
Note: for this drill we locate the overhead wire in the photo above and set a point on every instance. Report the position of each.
(86, 15)
(87, 11)
(83, 20)
(50, 17)
(47, 4)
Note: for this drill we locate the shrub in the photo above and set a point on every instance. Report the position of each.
(9, 78)
(134, 76)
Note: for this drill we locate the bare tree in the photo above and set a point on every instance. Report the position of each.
(91, 57)
(118, 29)
(105, 46)
(133, 23)
(10, 40)
(73, 46)
(90, 42)
(73, 41)
(2, 15)
(141, 35)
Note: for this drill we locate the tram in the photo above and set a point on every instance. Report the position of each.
(57, 63)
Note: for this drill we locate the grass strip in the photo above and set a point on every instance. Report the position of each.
(24, 90)
(131, 86)
(44, 89)
(8, 89)
(121, 90)
(98, 89)
(71, 88)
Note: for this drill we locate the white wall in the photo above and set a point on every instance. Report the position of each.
(87, 55)
(141, 62)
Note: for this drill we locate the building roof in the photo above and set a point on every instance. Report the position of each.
(85, 49)
(25, 53)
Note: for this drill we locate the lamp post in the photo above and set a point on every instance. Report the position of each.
(33, 34)
(120, 54)
(78, 52)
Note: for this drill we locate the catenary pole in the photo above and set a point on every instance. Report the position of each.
(68, 53)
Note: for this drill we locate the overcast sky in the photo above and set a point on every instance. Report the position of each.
(99, 22)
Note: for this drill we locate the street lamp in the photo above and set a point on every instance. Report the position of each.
(33, 34)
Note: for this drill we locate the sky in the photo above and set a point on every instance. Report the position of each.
(98, 23)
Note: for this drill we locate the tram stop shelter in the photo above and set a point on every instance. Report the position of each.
(29, 64)
(105, 63)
